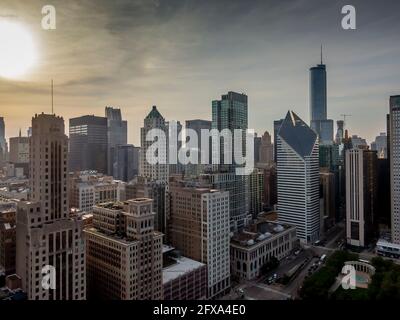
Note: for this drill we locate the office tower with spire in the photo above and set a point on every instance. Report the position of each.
(339, 132)
(395, 166)
(318, 104)
(46, 234)
(298, 178)
(154, 171)
(117, 135)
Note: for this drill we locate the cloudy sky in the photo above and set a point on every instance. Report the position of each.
(182, 54)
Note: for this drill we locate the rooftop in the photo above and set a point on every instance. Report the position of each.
(258, 232)
(182, 266)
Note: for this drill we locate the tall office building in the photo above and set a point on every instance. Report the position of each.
(361, 196)
(395, 166)
(117, 134)
(298, 177)
(339, 131)
(126, 162)
(19, 149)
(88, 143)
(124, 252)
(175, 168)
(158, 171)
(318, 104)
(255, 192)
(3, 141)
(197, 125)
(277, 126)
(266, 149)
(380, 145)
(46, 234)
(141, 187)
(231, 112)
(199, 223)
(257, 145)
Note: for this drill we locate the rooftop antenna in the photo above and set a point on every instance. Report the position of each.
(52, 98)
(321, 54)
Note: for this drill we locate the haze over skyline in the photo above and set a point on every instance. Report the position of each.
(180, 55)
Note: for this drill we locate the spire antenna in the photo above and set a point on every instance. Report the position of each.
(52, 98)
(321, 54)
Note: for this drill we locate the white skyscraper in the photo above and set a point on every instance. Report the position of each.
(298, 177)
(160, 171)
(46, 235)
(395, 166)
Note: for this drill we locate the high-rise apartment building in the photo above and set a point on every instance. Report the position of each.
(298, 178)
(395, 166)
(46, 234)
(117, 134)
(88, 143)
(154, 171)
(361, 196)
(199, 228)
(124, 252)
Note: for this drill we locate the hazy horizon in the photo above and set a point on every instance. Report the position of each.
(182, 54)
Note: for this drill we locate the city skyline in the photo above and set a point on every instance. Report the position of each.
(157, 62)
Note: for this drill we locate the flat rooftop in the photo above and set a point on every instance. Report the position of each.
(183, 265)
(258, 232)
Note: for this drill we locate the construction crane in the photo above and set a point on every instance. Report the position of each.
(344, 118)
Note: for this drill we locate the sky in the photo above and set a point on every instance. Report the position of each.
(182, 54)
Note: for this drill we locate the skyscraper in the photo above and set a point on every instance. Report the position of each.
(3, 141)
(361, 196)
(231, 112)
(199, 222)
(158, 171)
(277, 126)
(266, 149)
(46, 235)
(117, 134)
(124, 252)
(197, 125)
(298, 178)
(339, 132)
(88, 143)
(395, 166)
(126, 162)
(318, 104)
(380, 145)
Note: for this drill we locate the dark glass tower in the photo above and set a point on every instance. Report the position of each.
(88, 143)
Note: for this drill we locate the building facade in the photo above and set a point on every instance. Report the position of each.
(46, 234)
(199, 228)
(395, 166)
(361, 196)
(88, 146)
(298, 178)
(124, 252)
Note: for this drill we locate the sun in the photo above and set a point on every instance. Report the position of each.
(18, 53)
